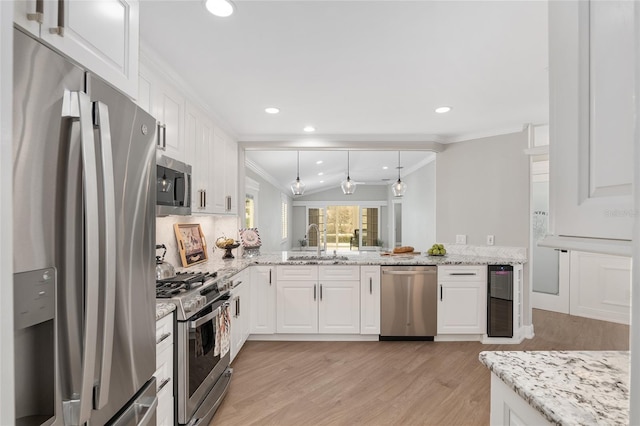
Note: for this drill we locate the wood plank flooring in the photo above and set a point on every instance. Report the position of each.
(386, 383)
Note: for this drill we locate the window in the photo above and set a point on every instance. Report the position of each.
(340, 227)
(249, 211)
(285, 220)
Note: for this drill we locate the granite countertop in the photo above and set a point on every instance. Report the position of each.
(473, 256)
(567, 387)
(163, 309)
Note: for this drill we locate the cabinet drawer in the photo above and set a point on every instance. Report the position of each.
(164, 332)
(462, 273)
(297, 272)
(164, 365)
(339, 273)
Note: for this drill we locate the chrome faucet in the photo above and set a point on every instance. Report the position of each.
(313, 225)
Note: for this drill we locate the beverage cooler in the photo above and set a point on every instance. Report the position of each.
(500, 301)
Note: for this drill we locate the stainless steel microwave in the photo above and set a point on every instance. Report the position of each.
(173, 187)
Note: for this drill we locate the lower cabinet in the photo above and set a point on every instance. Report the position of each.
(318, 299)
(263, 300)
(462, 299)
(164, 370)
(240, 304)
(370, 299)
(509, 408)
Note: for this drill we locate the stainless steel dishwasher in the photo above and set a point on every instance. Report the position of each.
(408, 304)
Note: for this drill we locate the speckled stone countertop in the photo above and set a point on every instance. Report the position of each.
(232, 266)
(163, 309)
(568, 388)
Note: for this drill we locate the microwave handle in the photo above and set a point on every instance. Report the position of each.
(187, 189)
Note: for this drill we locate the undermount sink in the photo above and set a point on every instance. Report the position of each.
(317, 258)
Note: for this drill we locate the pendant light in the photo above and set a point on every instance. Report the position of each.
(399, 187)
(348, 186)
(297, 187)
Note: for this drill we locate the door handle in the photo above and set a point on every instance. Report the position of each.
(314, 292)
(370, 285)
(440, 292)
(77, 106)
(463, 273)
(101, 114)
(269, 276)
(38, 16)
(320, 292)
(60, 28)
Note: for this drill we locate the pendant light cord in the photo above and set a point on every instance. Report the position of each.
(298, 168)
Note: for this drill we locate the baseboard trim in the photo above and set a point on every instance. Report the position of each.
(315, 337)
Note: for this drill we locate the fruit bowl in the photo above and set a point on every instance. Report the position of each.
(227, 250)
(437, 250)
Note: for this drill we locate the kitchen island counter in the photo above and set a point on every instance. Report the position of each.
(566, 387)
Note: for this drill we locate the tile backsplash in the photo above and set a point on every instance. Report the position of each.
(212, 227)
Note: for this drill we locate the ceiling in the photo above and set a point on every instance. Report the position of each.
(363, 73)
(365, 167)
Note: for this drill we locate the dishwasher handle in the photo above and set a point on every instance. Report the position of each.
(409, 272)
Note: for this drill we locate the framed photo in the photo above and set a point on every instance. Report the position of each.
(191, 243)
(250, 238)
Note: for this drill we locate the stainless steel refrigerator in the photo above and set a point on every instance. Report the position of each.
(84, 238)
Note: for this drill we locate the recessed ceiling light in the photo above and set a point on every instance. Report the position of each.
(309, 129)
(321, 181)
(272, 110)
(443, 109)
(319, 162)
(385, 167)
(221, 8)
(320, 174)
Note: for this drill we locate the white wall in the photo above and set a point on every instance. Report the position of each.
(485, 197)
(419, 208)
(212, 227)
(269, 216)
(7, 413)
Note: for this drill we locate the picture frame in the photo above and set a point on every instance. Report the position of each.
(250, 238)
(192, 244)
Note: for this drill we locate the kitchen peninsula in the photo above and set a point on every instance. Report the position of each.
(563, 388)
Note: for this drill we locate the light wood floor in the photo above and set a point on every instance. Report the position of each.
(386, 383)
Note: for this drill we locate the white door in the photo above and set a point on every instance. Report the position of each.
(462, 308)
(339, 307)
(263, 300)
(370, 300)
(297, 303)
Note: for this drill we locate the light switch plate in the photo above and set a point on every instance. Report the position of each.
(490, 240)
(461, 239)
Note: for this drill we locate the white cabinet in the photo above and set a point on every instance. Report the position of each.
(314, 299)
(168, 106)
(263, 299)
(591, 118)
(164, 370)
(199, 153)
(370, 299)
(510, 409)
(462, 299)
(240, 303)
(225, 173)
(102, 36)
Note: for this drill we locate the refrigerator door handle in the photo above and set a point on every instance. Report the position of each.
(101, 114)
(77, 105)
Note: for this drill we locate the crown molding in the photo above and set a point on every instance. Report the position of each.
(264, 175)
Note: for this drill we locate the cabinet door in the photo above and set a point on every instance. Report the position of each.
(198, 133)
(339, 307)
(462, 307)
(245, 308)
(102, 36)
(231, 176)
(297, 303)
(236, 326)
(169, 107)
(219, 173)
(263, 300)
(370, 300)
(591, 118)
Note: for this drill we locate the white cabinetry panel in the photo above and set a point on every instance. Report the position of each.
(263, 300)
(339, 307)
(600, 286)
(297, 303)
(462, 299)
(591, 118)
(164, 369)
(370, 300)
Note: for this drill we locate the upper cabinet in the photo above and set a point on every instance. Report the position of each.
(102, 36)
(225, 173)
(199, 153)
(591, 65)
(168, 105)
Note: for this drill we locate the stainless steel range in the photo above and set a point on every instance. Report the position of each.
(202, 346)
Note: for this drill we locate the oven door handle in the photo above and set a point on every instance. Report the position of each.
(197, 323)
